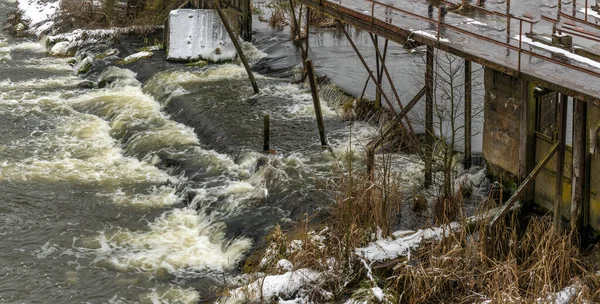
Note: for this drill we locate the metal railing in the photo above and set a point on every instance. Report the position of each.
(519, 49)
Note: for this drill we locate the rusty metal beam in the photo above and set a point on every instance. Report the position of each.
(391, 82)
(524, 185)
(366, 66)
(372, 146)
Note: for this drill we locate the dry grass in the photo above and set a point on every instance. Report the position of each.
(525, 267)
(114, 13)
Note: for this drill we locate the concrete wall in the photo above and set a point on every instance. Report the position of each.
(502, 112)
(501, 139)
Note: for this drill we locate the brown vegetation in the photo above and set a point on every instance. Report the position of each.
(114, 13)
(536, 263)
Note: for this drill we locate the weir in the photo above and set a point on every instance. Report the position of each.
(534, 79)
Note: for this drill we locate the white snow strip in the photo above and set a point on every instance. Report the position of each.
(430, 35)
(282, 286)
(590, 12)
(474, 22)
(553, 49)
(387, 249)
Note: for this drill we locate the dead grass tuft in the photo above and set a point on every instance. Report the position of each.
(526, 266)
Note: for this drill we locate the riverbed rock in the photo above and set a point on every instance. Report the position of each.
(135, 57)
(86, 84)
(62, 49)
(84, 66)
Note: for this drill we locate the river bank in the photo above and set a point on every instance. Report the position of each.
(209, 197)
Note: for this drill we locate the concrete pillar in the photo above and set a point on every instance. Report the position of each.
(505, 98)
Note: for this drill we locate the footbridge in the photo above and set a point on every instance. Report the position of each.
(541, 61)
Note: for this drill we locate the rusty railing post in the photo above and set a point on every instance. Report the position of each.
(520, 42)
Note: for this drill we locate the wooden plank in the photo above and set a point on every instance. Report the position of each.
(579, 163)
(560, 160)
(524, 185)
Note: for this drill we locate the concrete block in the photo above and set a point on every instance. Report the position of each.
(198, 34)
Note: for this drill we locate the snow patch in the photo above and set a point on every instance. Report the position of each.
(553, 49)
(430, 35)
(283, 286)
(387, 249)
(38, 14)
(590, 12)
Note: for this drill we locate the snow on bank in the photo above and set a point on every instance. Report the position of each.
(387, 249)
(553, 49)
(572, 293)
(273, 287)
(39, 14)
(67, 44)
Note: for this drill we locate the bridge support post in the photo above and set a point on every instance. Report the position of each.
(378, 71)
(468, 106)
(560, 160)
(527, 136)
(429, 132)
(580, 151)
(246, 21)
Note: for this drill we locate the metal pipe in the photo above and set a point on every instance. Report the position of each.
(520, 43)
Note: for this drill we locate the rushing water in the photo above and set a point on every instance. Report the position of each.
(153, 192)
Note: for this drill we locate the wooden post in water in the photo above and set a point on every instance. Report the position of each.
(468, 106)
(266, 132)
(316, 101)
(236, 43)
(429, 132)
(246, 20)
(580, 151)
(560, 161)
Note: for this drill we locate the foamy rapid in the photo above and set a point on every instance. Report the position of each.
(170, 294)
(180, 241)
(156, 197)
(79, 150)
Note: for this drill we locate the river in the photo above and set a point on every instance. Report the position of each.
(153, 189)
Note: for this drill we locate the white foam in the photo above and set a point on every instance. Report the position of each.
(171, 294)
(157, 197)
(79, 150)
(180, 241)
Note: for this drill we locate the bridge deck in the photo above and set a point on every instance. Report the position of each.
(481, 35)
